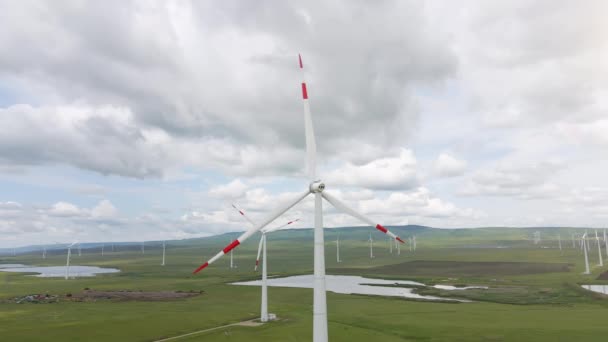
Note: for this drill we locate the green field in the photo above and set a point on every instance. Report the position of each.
(534, 292)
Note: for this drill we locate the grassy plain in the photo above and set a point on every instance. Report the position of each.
(534, 291)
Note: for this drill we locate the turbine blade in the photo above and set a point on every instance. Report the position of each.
(278, 212)
(279, 227)
(341, 206)
(311, 145)
(257, 259)
(243, 214)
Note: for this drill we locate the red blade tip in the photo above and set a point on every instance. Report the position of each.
(399, 239)
(300, 60)
(231, 246)
(381, 228)
(200, 268)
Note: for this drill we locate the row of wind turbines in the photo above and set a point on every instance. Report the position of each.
(79, 246)
(584, 244)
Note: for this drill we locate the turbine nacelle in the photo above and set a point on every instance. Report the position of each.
(317, 186)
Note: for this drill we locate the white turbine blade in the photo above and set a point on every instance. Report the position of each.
(270, 230)
(243, 214)
(311, 145)
(257, 259)
(341, 206)
(278, 212)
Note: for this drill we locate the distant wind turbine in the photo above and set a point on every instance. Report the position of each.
(43, 252)
(559, 239)
(103, 245)
(599, 250)
(390, 245)
(67, 264)
(143, 247)
(605, 243)
(584, 243)
(573, 243)
(371, 246)
(262, 249)
(338, 248)
(163, 263)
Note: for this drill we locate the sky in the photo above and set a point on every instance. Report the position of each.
(145, 120)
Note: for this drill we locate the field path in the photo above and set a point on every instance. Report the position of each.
(249, 323)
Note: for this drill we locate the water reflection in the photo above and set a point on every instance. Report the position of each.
(356, 285)
(603, 289)
(57, 271)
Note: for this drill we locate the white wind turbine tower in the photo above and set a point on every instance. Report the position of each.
(415, 243)
(79, 249)
(584, 244)
(315, 187)
(262, 248)
(67, 264)
(390, 245)
(599, 250)
(338, 248)
(573, 243)
(371, 246)
(398, 247)
(163, 263)
(143, 247)
(43, 252)
(605, 243)
(103, 245)
(559, 239)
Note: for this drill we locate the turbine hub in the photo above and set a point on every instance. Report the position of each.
(317, 186)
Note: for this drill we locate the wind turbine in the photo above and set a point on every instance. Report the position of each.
(398, 248)
(605, 243)
(584, 244)
(390, 245)
(43, 252)
(411, 243)
(371, 246)
(163, 263)
(415, 243)
(573, 243)
(67, 264)
(338, 248)
(103, 245)
(315, 187)
(559, 239)
(599, 250)
(262, 248)
(143, 247)
(79, 251)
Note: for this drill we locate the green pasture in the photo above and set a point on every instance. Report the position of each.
(534, 290)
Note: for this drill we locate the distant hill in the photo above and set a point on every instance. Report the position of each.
(424, 235)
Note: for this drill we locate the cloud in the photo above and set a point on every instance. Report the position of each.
(449, 166)
(104, 209)
(65, 209)
(207, 73)
(232, 190)
(527, 182)
(396, 173)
